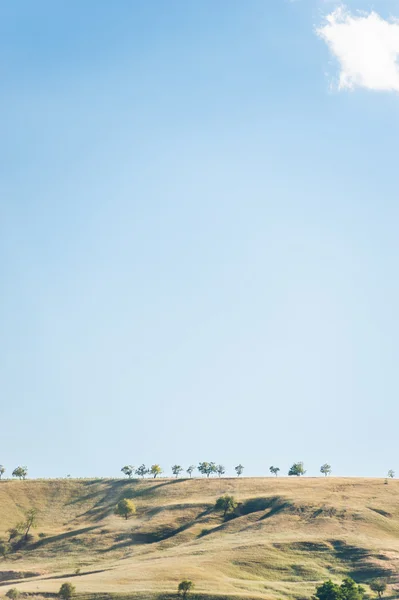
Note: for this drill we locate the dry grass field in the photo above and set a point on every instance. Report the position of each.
(291, 533)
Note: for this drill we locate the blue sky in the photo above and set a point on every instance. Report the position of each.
(198, 235)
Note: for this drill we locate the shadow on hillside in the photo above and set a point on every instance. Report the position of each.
(61, 536)
(160, 535)
(381, 512)
(6, 576)
(172, 507)
(129, 488)
(269, 507)
(273, 505)
(148, 491)
(50, 577)
(314, 547)
(360, 561)
(73, 574)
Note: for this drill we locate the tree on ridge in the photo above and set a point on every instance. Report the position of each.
(190, 470)
(239, 469)
(142, 471)
(297, 469)
(20, 472)
(220, 470)
(176, 470)
(325, 469)
(128, 470)
(207, 468)
(155, 471)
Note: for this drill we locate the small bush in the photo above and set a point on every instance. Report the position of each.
(13, 593)
(67, 590)
(5, 548)
(42, 535)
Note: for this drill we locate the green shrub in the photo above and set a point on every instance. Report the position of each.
(5, 548)
(67, 590)
(13, 593)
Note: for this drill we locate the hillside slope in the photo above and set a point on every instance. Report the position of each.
(289, 534)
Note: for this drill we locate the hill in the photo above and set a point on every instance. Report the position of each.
(288, 534)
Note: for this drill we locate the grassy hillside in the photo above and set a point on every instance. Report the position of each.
(290, 534)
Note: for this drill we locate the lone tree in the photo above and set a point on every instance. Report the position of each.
(274, 470)
(141, 471)
(30, 521)
(391, 473)
(226, 504)
(13, 594)
(325, 469)
(190, 470)
(239, 470)
(20, 472)
(2, 471)
(67, 591)
(378, 587)
(220, 470)
(128, 470)
(125, 508)
(176, 470)
(185, 588)
(297, 469)
(155, 471)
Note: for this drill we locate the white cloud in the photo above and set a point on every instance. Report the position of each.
(367, 48)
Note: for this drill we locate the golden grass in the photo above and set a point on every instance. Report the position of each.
(296, 533)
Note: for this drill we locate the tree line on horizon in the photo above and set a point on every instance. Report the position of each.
(210, 468)
(204, 468)
(18, 472)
